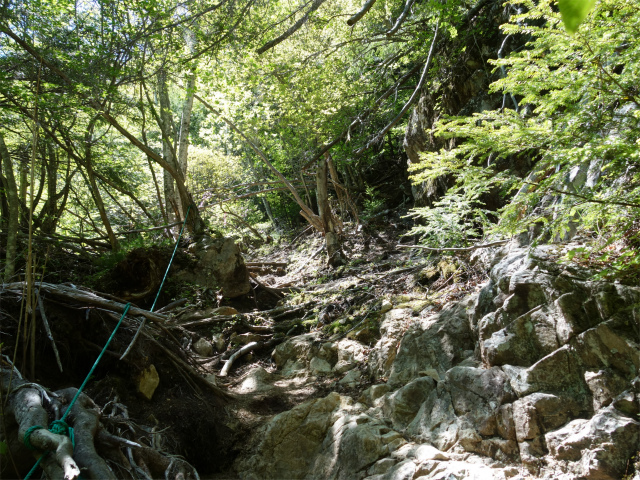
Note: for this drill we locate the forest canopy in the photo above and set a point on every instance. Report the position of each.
(120, 116)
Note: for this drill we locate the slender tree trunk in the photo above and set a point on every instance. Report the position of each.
(168, 151)
(12, 197)
(47, 215)
(24, 183)
(163, 211)
(183, 143)
(187, 108)
(332, 239)
(64, 194)
(267, 208)
(4, 204)
(97, 198)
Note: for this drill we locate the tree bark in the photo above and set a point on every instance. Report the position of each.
(24, 184)
(187, 108)
(12, 197)
(97, 198)
(332, 239)
(166, 125)
(47, 215)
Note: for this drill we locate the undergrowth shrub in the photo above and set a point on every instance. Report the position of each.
(578, 121)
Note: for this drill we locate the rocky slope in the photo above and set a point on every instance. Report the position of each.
(534, 376)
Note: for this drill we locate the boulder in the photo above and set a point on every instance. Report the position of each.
(383, 354)
(477, 394)
(219, 342)
(558, 372)
(438, 342)
(598, 448)
(524, 341)
(605, 385)
(319, 366)
(296, 353)
(351, 378)
(538, 413)
(373, 393)
(218, 264)
(350, 355)
(402, 405)
(436, 422)
(326, 438)
(203, 347)
(257, 380)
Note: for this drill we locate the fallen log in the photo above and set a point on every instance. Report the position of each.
(244, 350)
(88, 298)
(172, 305)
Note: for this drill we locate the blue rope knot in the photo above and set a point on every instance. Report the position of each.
(27, 435)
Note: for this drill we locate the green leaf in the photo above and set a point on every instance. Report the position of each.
(574, 12)
(4, 448)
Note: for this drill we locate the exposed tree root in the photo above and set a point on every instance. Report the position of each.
(98, 453)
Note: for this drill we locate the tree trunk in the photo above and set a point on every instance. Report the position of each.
(97, 198)
(185, 122)
(168, 151)
(332, 239)
(24, 183)
(48, 213)
(64, 194)
(267, 208)
(12, 197)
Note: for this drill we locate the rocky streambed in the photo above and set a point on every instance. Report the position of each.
(533, 376)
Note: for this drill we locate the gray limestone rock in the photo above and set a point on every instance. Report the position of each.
(203, 347)
(438, 342)
(402, 405)
(598, 448)
(219, 264)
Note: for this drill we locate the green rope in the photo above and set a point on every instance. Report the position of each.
(27, 436)
(60, 427)
(171, 261)
(104, 349)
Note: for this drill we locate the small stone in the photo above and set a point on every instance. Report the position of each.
(224, 311)
(386, 306)
(351, 378)
(427, 452)
(372, 393)
(148, 382)
(203, 347)
(246, 338)
(219, 343)
(319, 366)
(211, 379)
